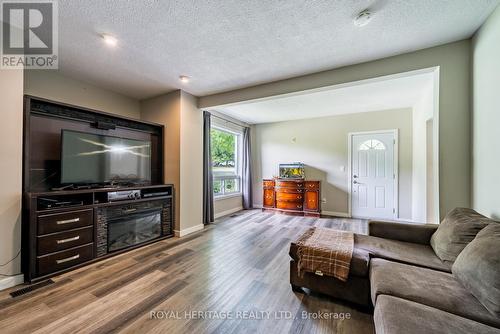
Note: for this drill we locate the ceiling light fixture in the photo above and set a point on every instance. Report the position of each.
(109, 39)
(184, 78)
(363, 18)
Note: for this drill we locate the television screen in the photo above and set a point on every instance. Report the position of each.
(88, 158)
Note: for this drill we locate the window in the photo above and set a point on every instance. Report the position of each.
(225, 147)
(372, 144)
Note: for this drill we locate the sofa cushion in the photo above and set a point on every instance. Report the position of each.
(395, 316)
(478, 267)
(407, 232)
(456, 230)
(429, 287)
(359, 261)
(400, 251)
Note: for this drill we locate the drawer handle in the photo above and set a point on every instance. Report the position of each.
(299, 206)
(62, 241)
(67, 221)
(77, 256)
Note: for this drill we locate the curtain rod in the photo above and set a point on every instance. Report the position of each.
(226, 120)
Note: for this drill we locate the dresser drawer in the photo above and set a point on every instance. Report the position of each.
(290, 197)
(55, 242)
(312, 185)
(61, 260)
(268, 183)
(288, 205)
(290, 184)
(58, 222)
(282, 190)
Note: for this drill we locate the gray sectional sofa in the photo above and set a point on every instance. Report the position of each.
(422, 278)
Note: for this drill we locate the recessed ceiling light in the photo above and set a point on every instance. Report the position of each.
(363, 18)
(109, 39)
(184, 78)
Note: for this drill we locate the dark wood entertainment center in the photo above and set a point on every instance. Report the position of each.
(66, 229)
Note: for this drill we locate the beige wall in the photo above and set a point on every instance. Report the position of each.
(165, 109)
(54, 86)
(225, 206)
(11, 129)
(454, 105)
(486, 117)
(322, 144)
(183, 122)
(191, 163)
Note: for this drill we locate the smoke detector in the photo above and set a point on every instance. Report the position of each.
(363, 18)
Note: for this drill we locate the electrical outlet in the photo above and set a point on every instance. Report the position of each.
(323, 200)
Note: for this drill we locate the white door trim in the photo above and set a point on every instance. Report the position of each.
(395, 132)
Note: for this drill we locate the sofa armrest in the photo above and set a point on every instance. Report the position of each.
(415, 233)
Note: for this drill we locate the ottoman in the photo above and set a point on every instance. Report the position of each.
(355, 290)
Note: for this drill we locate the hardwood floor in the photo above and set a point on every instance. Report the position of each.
(239, 264)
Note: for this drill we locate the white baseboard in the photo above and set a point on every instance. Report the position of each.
(326, 213)
(390, 220)
(228, 212)
(10, 281)
(335, 214)
(405, 220)
(189, 230)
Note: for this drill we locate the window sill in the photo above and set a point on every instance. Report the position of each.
(221, 197)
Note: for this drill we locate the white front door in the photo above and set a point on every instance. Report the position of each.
(373, 177)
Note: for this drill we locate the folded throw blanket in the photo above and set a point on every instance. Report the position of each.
(325, 251)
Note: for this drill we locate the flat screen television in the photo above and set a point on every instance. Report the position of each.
(88, 158)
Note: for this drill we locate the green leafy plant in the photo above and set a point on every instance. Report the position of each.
(222, 146)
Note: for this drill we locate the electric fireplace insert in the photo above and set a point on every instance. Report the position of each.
(124, 226)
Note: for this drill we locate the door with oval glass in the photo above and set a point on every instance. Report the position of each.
(373, 175)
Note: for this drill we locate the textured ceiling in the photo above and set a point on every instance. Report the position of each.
(228, 44)
(378, 95)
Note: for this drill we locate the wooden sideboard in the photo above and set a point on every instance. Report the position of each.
(299, 197)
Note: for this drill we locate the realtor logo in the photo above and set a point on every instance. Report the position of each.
(29, 35)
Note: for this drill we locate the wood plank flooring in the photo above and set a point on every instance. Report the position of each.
(237, 268)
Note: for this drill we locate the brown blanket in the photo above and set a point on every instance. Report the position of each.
(325, 251)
